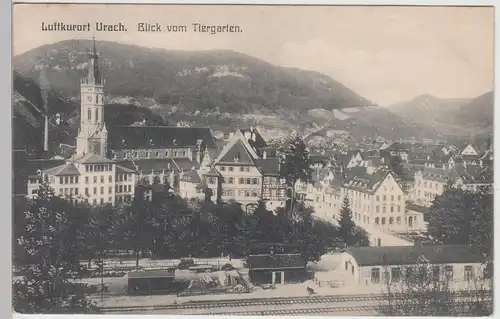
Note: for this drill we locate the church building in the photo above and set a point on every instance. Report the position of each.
(106, 167)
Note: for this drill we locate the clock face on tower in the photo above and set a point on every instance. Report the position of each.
(89, 98)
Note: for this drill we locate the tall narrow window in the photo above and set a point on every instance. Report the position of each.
(89, 114)
(97, 114)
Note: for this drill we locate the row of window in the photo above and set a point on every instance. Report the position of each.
(382, 220)
(241, 181)
(354, 194)
(276, 192)
(68, 191)
(411, 271)
(384, 198)
(232, 169)
(123, 177)
(167, 153)
(99, 168)
(272, 180)
(94, 201)
(68, 180)
(391, 209)
(110, 179)
(241, 193)
(431, 184)
(123, 188)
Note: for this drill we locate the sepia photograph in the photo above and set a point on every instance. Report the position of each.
(252, 160)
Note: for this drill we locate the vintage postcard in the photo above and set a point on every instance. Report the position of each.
(252, 160)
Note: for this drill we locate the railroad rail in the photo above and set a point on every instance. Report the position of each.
(314, 311)
(237, 303)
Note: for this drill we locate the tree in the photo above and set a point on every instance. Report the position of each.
(52, 242)
(295, 165)
(463, 218)
(422, 289)
(415, 291)
(132, 227)
(395, 165)
(346, 224)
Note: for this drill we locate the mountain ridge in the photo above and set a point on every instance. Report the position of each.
(221, 89)
(450, 115)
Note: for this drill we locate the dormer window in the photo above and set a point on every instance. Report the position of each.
(237, 157)
(174, 141)
(135, 154)
(147, 154)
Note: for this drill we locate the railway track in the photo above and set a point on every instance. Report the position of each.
(305, 311)
(314, 311)
(240, 303)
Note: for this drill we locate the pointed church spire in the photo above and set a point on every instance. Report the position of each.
(94, 75)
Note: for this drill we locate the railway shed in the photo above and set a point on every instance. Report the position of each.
(152, 282)
(276, 269)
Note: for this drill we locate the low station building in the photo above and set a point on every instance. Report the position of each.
(369, 265)
(276, 269)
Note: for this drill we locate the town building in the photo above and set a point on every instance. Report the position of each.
(432, 182)
(370, 265)
(399, 149)
(246, 171)
(376, 198)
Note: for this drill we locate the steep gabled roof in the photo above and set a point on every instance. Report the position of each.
(239, 151)
(138, 137)
(243, 149)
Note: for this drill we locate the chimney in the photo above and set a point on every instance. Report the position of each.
(46, 135)
(264, 154)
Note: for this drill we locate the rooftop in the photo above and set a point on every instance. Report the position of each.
(92, 158)
(408, 255)
(139, 137)
(268, 261)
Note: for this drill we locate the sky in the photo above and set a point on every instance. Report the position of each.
(386, 54)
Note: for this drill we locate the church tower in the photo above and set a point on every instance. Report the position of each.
(93, 136)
